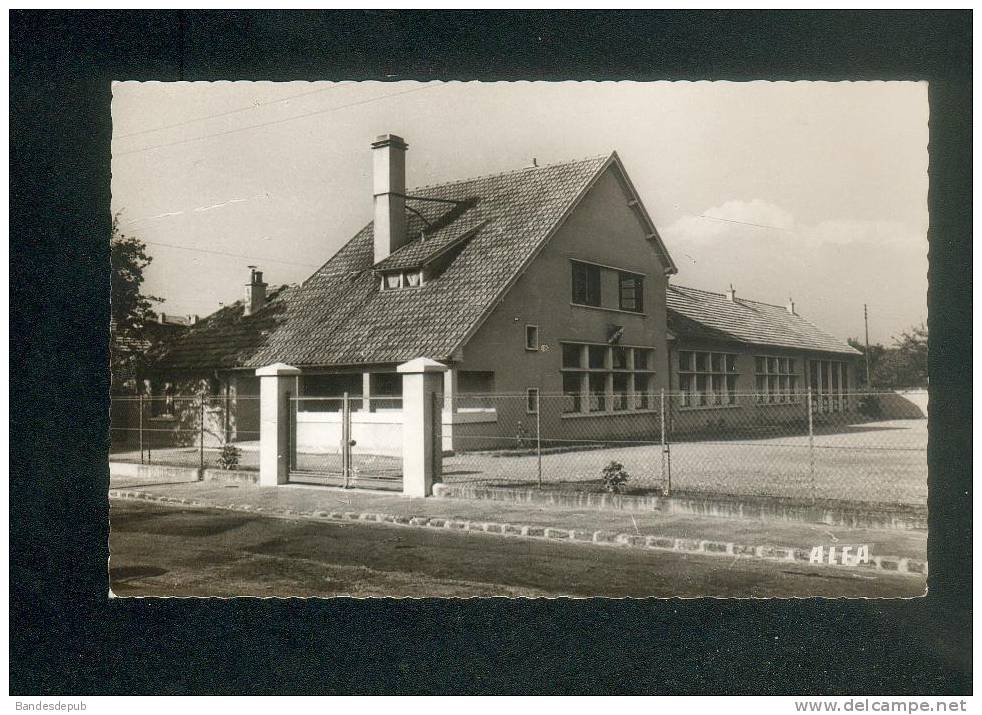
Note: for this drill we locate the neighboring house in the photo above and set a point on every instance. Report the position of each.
(129, 373)
(131, 352)
(760, 359)
(548, 280)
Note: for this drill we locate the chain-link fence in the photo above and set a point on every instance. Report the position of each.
(219, 432)
(867, 447)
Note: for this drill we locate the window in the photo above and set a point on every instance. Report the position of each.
(572, 355)
(214, 388)
(598, 391)
(607, 378)
(707, 379)
(642, 391)
(620, 381)
(573, 390)
(829, 382)
(532, 400)
(619, 357)
(597, 355)
(631, 292)
(531, 337)
(586, 284)
(328, 386)
(386, 390)
(402, 279)
(475, 389)
(607, 287)
(775, 380)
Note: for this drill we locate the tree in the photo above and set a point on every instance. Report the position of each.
(907, 366)
(130, 308)
(902, 365)
(876, 353)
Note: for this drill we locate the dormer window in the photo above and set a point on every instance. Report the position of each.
(395, 280)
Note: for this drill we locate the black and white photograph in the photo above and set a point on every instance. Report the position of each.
(519, 339)
(490, 352)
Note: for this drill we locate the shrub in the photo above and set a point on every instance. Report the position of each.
(614, 477)
(869, 405)
(229, 458)
(522, 438)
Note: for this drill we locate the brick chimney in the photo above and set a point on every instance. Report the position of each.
(790, 307)
(731, 293)
(389, 189)
(255, 292)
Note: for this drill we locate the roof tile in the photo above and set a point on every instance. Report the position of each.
(697, 313)
(339, 316)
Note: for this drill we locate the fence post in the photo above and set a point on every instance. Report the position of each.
(141, 429)
(538, 434)
(291, 433)
(437, 456)
(150, 434)
(666, 455)
(345, 440)
(811, 444)
(201, 435)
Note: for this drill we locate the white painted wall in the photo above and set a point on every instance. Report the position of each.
(373, 432)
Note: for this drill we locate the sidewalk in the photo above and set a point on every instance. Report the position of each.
(745, 537)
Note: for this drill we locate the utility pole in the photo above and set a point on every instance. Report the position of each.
(866, 322)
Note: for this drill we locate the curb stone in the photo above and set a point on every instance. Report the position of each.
(766, 552)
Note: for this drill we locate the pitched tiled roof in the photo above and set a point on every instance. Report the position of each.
(694, 313)
(339, 316)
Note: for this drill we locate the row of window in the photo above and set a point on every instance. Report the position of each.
(607, 378)
(829, 382)
(614, 378)
(582, 356)
(708, 379)
(588, 282)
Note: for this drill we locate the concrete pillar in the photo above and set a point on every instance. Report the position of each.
(366, 392)
(276, 384)
(422, 378)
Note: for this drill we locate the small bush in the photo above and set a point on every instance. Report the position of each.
(522, 438)
(614, 477)
(230, 456)
(869, 405)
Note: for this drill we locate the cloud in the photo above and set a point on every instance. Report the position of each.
(831, 268)
(865, 233)
(758, 221)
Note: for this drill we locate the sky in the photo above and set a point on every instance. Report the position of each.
(805, 190)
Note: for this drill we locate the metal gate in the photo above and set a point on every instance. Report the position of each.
(344, 442)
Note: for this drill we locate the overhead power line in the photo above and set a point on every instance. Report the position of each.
(232, 255)
(743, 223)
(277, 121)
(232, 111)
